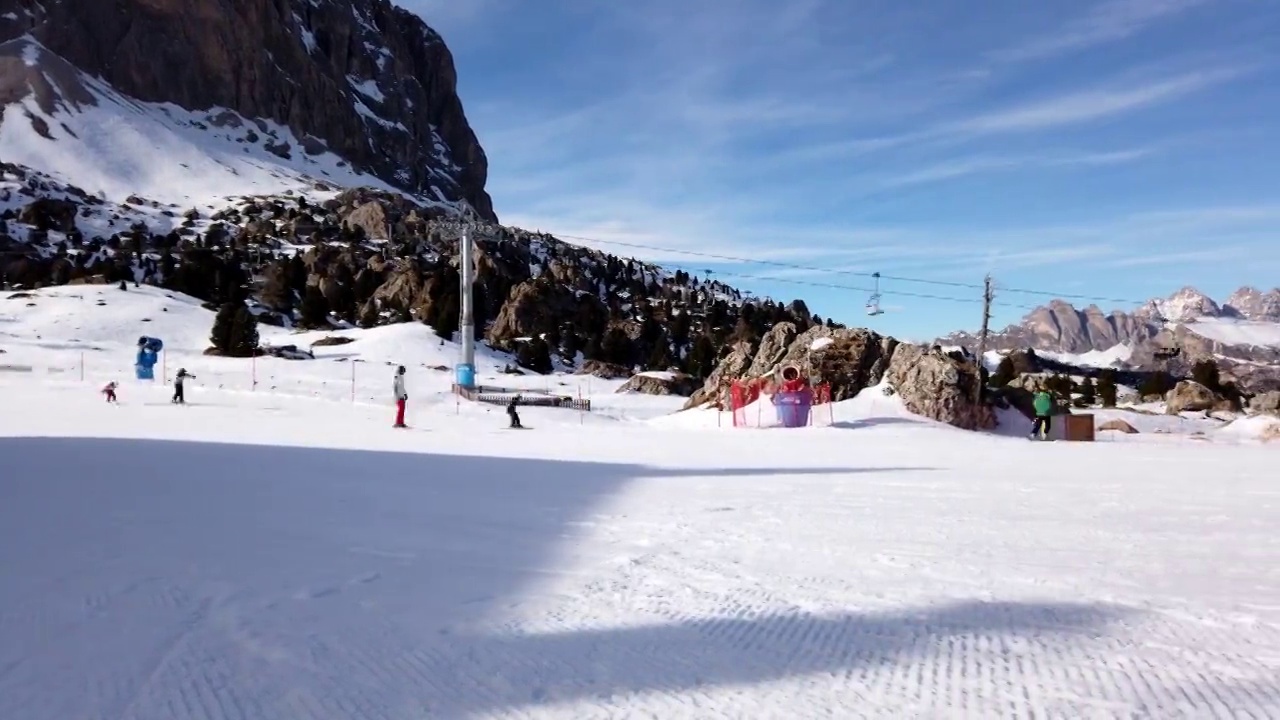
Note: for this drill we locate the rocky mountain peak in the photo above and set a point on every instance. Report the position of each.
(1186, 304)
(363, 79)
(1238, 334)
(1253, 304)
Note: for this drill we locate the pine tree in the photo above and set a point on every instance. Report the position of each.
(660, 357)
(1060, 386)
(570, 344)
(679, 327)
(616, 347)
(445, 318)
(223, 328)
(1157, 383)
(244, 334)
(1088, 394)
(315, 308)
(1107, 387)
(702, 358)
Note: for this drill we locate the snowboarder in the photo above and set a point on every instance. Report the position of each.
(511, 412)
(178, 395)
(401, 397)
(110, 391)
(1043, 405)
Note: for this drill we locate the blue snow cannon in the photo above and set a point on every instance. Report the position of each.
(148, 349)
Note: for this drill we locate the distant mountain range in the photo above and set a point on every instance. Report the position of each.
(1242, 333)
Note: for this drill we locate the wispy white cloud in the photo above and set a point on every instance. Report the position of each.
(1214, 254)
(1107, 21)
(1088, 105)
(1050, 113)
(964, 167)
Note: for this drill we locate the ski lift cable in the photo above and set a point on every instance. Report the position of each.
(853, 288)
(854, 273)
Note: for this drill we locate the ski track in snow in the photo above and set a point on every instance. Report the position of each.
(276, 555)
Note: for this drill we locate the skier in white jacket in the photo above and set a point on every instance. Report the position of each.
(401, 397)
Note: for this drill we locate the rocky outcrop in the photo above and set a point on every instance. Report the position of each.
(1268, 403)
(930, 383)
(1118, 425)
(404, 292)
(718, 386)
(660, 383)
(531, 309)
(938, 386)
(604, 370)
(368, 80)
(1189, 395)
(50, 214)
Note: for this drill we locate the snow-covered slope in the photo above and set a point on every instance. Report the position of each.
(111, 145)
(1112, 357)
(1232, 331)
(262, 555)
(91, 331)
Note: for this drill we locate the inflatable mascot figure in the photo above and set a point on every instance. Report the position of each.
(148, 349)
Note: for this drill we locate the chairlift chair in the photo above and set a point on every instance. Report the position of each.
(873, 302)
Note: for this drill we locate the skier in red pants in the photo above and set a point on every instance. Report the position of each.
(401, 397)
(110, 391)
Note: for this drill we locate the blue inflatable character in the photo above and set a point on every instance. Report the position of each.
(148, 349)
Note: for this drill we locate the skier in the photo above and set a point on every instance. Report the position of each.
(401, 397)
(110, 391)
(178, 396)
(1043, 404)
(511, 412)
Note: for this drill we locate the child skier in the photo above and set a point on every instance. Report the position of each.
(1043, 404)
(511, 412)
(178, 396)
(401, 397)
(110, 391)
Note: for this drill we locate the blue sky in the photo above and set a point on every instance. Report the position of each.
(1110, 148)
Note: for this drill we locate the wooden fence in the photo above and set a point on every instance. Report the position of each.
(503, 397)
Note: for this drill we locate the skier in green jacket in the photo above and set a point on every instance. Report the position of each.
(1043, 405)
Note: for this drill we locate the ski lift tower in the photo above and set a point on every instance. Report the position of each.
(465, 370)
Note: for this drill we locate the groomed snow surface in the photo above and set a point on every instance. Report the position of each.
(284, 553)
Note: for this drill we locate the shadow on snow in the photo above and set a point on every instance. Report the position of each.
(364, 583)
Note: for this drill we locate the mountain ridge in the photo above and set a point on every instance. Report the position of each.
(1242, 333)
(366, 81)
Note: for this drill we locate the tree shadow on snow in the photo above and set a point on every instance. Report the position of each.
(359, 579)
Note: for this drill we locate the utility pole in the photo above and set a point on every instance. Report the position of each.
(466, 370)
(987, 296)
